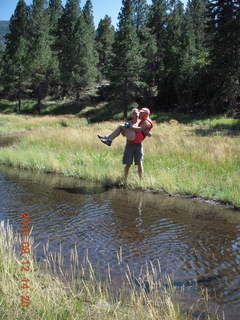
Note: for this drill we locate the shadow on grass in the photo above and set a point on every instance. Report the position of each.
(185, 118)
(53, 108)
(73, 107)
(8, 106)
(96, 110)
(222, 129)
(106, 112)
(6, 141)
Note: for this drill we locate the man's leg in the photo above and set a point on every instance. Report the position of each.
(138, 158)
(140, 170)
(126, 171)
(127, 159)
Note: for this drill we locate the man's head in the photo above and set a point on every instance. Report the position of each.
(134, 114)
(144, 113)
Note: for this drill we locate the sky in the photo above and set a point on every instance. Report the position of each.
(100, 8)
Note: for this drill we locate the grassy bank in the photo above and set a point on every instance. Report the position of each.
(72, 297)
(199, 158)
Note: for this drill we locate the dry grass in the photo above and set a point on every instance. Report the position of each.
(77, 294)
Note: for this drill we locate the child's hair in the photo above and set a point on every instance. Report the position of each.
(135, 110)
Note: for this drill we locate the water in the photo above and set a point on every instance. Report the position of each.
(190, 239)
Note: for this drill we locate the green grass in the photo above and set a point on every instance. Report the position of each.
(194, 158)
(56, 294)
(14, 124)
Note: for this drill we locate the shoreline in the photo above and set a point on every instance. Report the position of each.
(227, 205)
(179, 161)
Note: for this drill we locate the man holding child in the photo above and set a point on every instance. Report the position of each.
(135, 131)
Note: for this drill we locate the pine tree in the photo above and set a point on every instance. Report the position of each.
(40, 50)
(224, 53)
(195, 57)
(1, 66)
(88, 15)
(140, 14)
(127, 61)
(105, 39)
(15, 60)
(89, 55)
(1, 59)
(148, 50)
(67, 43)
(196, 16)
(84, 70)
(157, 23)
(55, 10)
(174, 50)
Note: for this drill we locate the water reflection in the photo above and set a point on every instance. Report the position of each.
(192, 240)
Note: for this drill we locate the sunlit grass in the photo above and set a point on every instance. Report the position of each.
(77, 293)
(15, 124)
(178, 159)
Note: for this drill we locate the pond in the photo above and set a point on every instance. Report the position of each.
(190, 239)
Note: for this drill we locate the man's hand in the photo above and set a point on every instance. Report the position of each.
(145, 127)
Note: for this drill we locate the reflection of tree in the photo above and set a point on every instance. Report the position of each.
(52, 212)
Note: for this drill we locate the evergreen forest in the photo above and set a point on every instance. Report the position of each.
(160, 55)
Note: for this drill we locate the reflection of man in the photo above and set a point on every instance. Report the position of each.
(135, 131)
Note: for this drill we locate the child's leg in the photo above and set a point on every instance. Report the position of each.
(115, 133)
(128, 133)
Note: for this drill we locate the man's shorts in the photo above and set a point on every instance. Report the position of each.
(133, 151)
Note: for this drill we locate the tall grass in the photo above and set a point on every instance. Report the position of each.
(14, 124)
(76, 294)
(179, 159)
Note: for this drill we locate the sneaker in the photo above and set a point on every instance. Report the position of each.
(105, 140)
(102, 137)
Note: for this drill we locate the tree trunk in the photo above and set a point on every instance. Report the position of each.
(39, 104)
(19, 104)
(125, 98)
(19, 89)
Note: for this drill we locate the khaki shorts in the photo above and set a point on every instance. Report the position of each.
(133, 151)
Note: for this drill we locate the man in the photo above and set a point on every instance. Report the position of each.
(135, 132)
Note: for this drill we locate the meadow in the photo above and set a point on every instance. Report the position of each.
(187, 157)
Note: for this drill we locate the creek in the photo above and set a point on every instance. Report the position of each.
(190, 239)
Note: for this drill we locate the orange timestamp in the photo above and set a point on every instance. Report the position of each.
(24, 253)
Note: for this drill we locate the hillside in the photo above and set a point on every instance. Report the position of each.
(3, 29)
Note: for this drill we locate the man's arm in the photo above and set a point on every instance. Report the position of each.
(144, 128)
(136, 129)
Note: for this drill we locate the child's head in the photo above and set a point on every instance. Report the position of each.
(144, 113)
